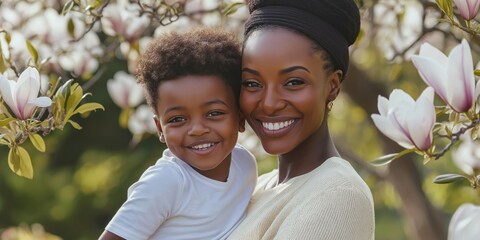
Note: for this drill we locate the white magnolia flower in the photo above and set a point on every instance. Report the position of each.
(141, 121)
(452, 77)
(22, 95)
(468, 8)
(124, 90)
(122, 19)
(406, 121)
(467, 155)
(464, 223)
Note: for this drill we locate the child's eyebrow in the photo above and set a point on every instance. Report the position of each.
(216, 101)
(212, 102)
(174, 108)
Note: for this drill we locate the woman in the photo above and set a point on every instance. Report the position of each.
(294, 59)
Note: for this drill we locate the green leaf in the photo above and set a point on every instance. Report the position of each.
(37, 142)
(6, 121)
(75, 125)
(33, 52)
(448, 178)
(63, 93)
(20, 163)
(384, 160)
(73, 99)
(124, 116)
(94, 5)
(232, 8)
(71, 28)
(476, 72)
(8, 37)
(446, 6)
(88, 107)
(3, 66)
(67, 7)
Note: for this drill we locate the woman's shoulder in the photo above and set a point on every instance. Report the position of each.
(337, 175)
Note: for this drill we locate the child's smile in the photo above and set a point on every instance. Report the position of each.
(199, 119)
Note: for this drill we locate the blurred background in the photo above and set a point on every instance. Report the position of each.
(82, 178)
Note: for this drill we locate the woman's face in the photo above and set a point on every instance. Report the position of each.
(285, 88)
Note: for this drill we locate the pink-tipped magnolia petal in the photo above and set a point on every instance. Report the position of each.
(462, 157)
(117, 93)
(464, 223)
(41, 101)
(124, 90)
(461, 81)
(112, 20)
(429, 51)
(432, 73)
(382, 105)
(385, 126)
(21, 95)
(6, 89)
(467, 8)
(406, 121)
(421, 119)
(37, 102)
(27, 88)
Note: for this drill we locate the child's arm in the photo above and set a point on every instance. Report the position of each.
(106, 235)
(151, 201)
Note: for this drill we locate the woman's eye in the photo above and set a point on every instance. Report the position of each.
(250, 84)
(176, 119)
(295, 82)
(215, 113)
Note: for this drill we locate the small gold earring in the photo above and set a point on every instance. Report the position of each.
(329, 106)
(161, 137)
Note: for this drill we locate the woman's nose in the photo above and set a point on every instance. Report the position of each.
(272, 101)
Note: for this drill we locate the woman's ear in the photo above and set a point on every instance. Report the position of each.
(335, 79)
(159, 129)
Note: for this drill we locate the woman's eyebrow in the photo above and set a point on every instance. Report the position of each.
(293, 68)
(283, 71)
(249, 70)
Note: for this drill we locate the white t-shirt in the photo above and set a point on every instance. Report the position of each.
(173, 201)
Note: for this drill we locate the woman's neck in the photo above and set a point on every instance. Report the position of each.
(307, 156)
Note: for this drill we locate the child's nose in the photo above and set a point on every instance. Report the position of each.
(198, 128)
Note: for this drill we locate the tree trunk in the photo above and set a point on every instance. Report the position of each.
(423, 221)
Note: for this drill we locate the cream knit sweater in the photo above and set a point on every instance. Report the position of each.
(331, 202)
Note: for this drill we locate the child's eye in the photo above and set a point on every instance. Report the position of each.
(215, 113)
(295, 82)
(251, 84)
(176, 119)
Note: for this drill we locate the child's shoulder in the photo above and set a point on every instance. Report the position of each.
(166, 168)
(244, 159)
(240, 152)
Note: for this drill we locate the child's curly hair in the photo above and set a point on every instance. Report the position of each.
(205, 51)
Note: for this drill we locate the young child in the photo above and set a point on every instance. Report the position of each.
(201, 186)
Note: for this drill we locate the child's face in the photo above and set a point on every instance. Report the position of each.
(285, 88)
(199, 120)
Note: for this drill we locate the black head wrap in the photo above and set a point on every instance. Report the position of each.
(332, 24)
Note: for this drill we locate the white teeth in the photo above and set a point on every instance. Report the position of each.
(202, 146)
(277, 126)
